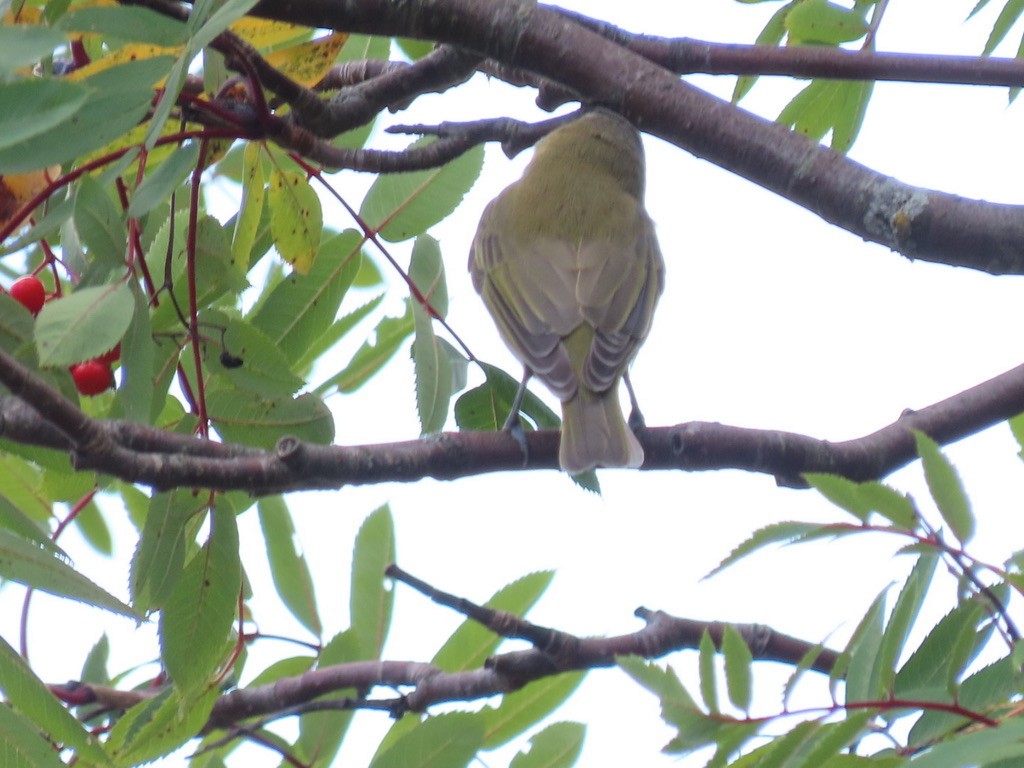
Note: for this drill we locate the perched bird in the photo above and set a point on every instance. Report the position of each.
(568, 264)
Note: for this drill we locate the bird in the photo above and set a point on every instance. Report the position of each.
(567, 262)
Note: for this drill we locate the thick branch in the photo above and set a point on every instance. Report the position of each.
(39, 415)
(919, 223)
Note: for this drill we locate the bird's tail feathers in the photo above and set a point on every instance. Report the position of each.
(595, 434)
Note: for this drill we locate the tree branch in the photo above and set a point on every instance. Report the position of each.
(39, 415)
(917, 222)
(554, 652)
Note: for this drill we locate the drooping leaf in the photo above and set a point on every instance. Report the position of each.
(288, 566)
(946, 488)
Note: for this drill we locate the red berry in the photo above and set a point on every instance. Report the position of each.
(29, 292)
(92, 377)
(112, 356)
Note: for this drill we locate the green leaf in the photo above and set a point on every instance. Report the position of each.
(30, 697)
(775, 533)
(296, 218)
(901, 620)
(248, 418)
(25, 562)
(157, 186)
(300, 309)
(160, 556)
(557, 746)
(117, 100)
(264, 370)
(196, 622)
(432, 363)
(862, 680)
(370, 600)
(22, 745)
(978, 749)
(138, 389)
(708, 673)
(471, 644)
(100, 224)
(522, 709)
(83, 325)
(391, 333)
(487, 407)
(772, 34)
(22, 45)
(30, 108)
(403, 205)
(135, 24)
(443, 741)
(288, 566)
(738, 661)
(828, 105)
(939, 658)
(1007, 18)
(155, 727)
(946, 488)
(250, 212)
(824, 23)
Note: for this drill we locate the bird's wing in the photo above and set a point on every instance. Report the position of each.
(530, 289)
(619, 286)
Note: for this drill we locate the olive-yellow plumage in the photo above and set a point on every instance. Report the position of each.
(567, 263)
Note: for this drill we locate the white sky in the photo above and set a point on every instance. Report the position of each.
(771, 318)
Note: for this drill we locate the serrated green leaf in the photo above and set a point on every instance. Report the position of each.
(946, 488)
(248, 418)
(522, 709)
(30, 696)
(981, 748)
(828, 105)
(288, 567)
(390, 334)
(155, 727)
(862, 682)
(471, 644)
(902, 618)
(300, 309)
(197, 619)
(22, 745)
(926, 672)
(1007, 18)
(403, 205)
(738, 661)
(263, 368)
(443, 741)
(557, 746)
(25, 562)
(775, 533)
(708, 673)
(83, 325)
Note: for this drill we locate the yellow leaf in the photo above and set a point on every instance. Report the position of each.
(263, 34)
(26, 15)
(131, 52)
(296, 219)
(307, 63)
(18, 189)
